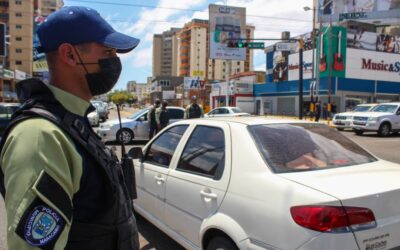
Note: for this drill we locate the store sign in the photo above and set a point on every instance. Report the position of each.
(372, 65)
(355, 15)
(8, 73)
(380, 66)
(20, 75)
(294, 65)
(192, 83)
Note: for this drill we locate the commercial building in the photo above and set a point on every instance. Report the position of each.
(358, 61)
(165, 54)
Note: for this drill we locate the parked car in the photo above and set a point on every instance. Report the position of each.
(226, 111)
(343, 120)
(94, 118)
(135, 126)
(102, 109)
(6, 111)
(257, 183)
(383, 119)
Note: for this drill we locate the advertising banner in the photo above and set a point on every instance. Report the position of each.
(20, 75)
(370, 37)
(39, 60)
(372, 65)
(226, 22)
(192, 83)
(341, 10)
(280, 66)
(294, 65)
(335, 62)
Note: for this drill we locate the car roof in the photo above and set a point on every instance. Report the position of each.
(247, 120)
(175, 107)
(391, 103)
(368, 104)
(10, 104)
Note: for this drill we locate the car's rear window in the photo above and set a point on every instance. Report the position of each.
(302, 147)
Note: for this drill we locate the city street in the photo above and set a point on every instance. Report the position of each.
(152, 238)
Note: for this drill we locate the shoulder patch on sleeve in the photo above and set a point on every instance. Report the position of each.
(40, 225)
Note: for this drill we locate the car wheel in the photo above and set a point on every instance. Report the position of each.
(221, 243)
(125, 134)
(358, 132)
(384, 129)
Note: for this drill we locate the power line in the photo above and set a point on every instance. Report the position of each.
(181, 9)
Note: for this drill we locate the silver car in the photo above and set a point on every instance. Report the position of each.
(135, 126)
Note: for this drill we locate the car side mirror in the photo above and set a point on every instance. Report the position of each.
(398, 112)
(141, 119)
(136, 153)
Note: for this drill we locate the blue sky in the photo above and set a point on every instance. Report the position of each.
(143, 18)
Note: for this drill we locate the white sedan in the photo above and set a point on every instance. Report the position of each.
(258, 183)
(226, 111)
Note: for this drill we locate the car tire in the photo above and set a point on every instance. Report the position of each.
(126, 134)
(384, 129)
(358, 132)
(221, 243)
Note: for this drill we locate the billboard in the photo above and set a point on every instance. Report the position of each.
(294, 65)
(332, 63)
(192, 83)
(39, 60)
(372, 65)
(341, 10)
(226, 23)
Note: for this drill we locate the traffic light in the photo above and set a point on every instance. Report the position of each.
(237, 44)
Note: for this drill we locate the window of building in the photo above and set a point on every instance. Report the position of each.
(18, 2)
(204, 153)
(238, 63)
(18, 38)
(3, 3)
(18, 50)
(18, 62)
(164, 83)
(18, 26)
(18, 14)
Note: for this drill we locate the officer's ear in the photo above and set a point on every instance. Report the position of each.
(67, 54)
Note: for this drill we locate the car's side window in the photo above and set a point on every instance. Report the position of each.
(175, 113)
(204, 153)
(212, 112)
(162, 149)
(217, 112)
(225, 111)
(143, 117)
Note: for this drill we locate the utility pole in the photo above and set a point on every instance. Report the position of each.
(330, 72)
(301, 101)
(313, 65)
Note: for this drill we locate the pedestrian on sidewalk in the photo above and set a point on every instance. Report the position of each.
(62, 186)
(317, 110)
(162, 116)
(151, 118)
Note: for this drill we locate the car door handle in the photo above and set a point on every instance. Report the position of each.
(159, 179)
(208, 194)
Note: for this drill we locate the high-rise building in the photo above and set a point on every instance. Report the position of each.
(19, 15)
(193, 50)
(165, 56)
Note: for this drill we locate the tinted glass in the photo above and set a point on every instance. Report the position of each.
(385, 108)
(224, 111)
(175, 113)
(362, 108)
(204, 153)
(163, 148)
(300, 147)
(236, 110)
(137, 114)
(3, 113)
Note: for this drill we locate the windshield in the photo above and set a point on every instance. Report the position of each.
(7, 111)
(361, 108)
(236, 110)
(384, 108)
(302, 147)
(137, 114)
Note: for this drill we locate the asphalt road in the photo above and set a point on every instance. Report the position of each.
(151, 238)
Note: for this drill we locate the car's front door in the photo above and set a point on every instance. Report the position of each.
(198, 183)
(151, 172)
(142, 127)
(397, 119)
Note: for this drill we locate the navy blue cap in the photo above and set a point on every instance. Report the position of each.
(77, 25)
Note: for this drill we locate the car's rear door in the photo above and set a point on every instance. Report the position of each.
(198, 183)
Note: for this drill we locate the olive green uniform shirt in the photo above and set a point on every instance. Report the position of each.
(35, 146)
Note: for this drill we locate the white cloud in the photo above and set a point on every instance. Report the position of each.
(261, 67)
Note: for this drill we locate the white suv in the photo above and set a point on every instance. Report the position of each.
(384, 119)
(343, 120)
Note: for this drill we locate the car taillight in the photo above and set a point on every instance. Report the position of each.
(333, 218)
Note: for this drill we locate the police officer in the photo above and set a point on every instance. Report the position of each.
(151, 117)
(194, 110)
(63, 188)
(162, 115)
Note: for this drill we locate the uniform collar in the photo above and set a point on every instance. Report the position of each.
(71, 102)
